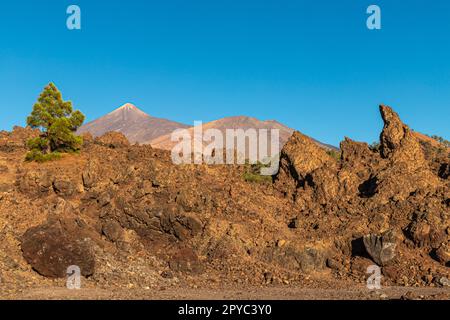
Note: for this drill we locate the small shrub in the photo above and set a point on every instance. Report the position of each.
(253, 173)
(38, 156)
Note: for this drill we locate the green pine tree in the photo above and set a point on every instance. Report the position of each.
(57, 122)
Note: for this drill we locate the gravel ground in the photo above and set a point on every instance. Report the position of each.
(252, 293)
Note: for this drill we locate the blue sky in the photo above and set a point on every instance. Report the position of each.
(312, 65)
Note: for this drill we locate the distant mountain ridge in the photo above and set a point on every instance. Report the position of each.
(142, 128)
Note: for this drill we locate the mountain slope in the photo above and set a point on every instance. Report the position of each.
(237, 122)
(135, 124)
(141, 128)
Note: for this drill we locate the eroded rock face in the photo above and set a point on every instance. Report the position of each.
(325, 183)
(303, 164)
(50, 250)
(358, 166)
(407, 170)
(381, 248)
(394, 131)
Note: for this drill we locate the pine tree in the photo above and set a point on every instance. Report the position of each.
(57, 122)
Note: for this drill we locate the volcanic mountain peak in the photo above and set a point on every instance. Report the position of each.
(129, 109)
(134, 123)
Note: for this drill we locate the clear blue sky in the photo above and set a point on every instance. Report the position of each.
(312, 65)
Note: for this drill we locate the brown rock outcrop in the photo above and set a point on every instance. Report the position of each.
(299, 158)
(407, 170)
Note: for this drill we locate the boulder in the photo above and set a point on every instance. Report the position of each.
(312, 259)
(50, 250)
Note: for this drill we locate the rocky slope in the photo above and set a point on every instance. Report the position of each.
(131, 219)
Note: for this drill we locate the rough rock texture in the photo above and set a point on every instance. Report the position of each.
(394, 132)
(302, 156)
(112, 140)
(51, 250)
(443, 254)
(17, 139)
(299, 158)
(146, 222)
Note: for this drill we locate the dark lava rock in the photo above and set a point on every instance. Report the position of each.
(381, 248)
(64, 188)
(50, 251)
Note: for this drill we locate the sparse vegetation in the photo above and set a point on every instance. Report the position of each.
(335, 154)
(253, 174)
(57, 122)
